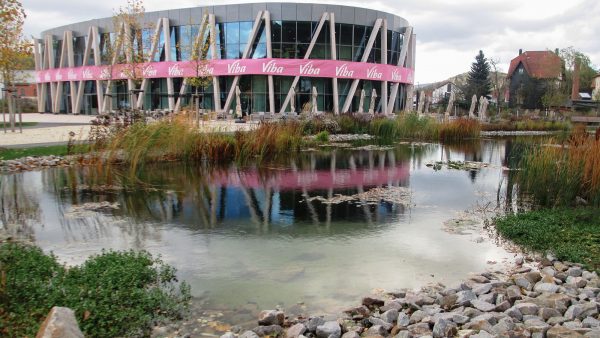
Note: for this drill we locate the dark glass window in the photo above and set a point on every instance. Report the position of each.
(275, 31)
(288, 31)
(302, 49)
(289, 51)
(304, 32)
(345, 34)
(324, 35)
(276, 50)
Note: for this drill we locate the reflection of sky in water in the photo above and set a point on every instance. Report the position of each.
(257, 236)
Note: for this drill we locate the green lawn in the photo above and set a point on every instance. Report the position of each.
(11, 154)
(25, 124)
(570, 234)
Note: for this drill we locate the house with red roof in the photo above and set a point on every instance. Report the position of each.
(530, 74)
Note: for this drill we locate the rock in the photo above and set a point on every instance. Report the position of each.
(459, 319)
(556, 320)
(376, 330)
(480, 324)
(527, 308)
(513, 293)
(464, 298)
(60, 323)
(448, 302)
(403, 320)
(381, 322)
(444, 328)
(295, 330)
(504, 325)
(390, 315)
(589, 275)
(351, 334)
(268, 330)
(228, 335)
(271, 317)
(549, 271)
(482, 288)
(482, 334)
(471, 312)
(581, 310)
(249, 334)
(514, 313)
(561, 332)
(329, 330)
(360, 310)
(589, 309)
(590, 322)
(314, 322)
(370, 302)
(417, 316)
(519, 260)
(482, 306)
(479, 279)
(536, 326)
(546, 287)
(557, 301)
(572, 325)
(547, 313)
(404, 334)
(419, 329)
(533, 276)
(505, 305)
(578, 282)
(575, 271)
(523, 282)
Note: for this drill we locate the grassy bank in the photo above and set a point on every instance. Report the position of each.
(57, 150)
(570, 234)
(17, 124)
(555, 176)
(113, 294)
(526, 125)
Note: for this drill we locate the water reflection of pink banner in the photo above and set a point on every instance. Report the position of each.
(280, 67)
(311, 180)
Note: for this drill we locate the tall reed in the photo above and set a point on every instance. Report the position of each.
(557, 176)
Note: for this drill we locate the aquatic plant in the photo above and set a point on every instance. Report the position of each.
(322, 136)
(559, 175)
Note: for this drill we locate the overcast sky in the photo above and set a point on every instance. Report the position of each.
(449, 32)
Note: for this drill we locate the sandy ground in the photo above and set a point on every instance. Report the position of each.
(55, 129)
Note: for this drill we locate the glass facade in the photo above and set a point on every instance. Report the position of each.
(290, 39)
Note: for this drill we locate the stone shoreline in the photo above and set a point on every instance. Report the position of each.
(536, 298)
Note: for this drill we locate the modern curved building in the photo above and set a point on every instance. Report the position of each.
(273, 56)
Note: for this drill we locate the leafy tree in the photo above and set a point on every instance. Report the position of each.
(198, 58)
(587, 72)
(15, 51)
(478, 81)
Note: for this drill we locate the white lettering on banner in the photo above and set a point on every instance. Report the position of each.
(38, 79)
(396, 75)
(343, 71)
(105, 73)
(409, 79)
(87, 74)
(174, 70)
(149, 71)
(47, 77)
(204, 70)
(71, 75)
(309, 69)
(235, 68)
(372, 73)
(271, 67)
(58, 76)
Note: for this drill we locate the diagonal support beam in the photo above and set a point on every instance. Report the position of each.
(401, 63)
(236, 79)
(364, 58)
(333, 44)
(151, 56)
(288, 98)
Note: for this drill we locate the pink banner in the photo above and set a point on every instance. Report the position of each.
(281, 67)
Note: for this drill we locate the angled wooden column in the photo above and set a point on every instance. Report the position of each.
(384, 61)
(60, 84)
(267, 19)
(86, 56)
(313, 41)
(333, 43)
(236, 79)
(198, 43)
(215, 55)
(95, 45)
(364, 58)
(169, 57)
(116, 50)
(50, 53)
(152, 54)
(71, 64)
(410, 63)
(401, 63)
(37, 57)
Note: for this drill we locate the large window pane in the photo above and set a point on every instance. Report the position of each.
(345, 53)
(324, 35)
(260, 51)
(289, 51)
(288, 31)
(245, 30)
(232, 51)
(232, 31)
(302, 49)
(276, 49)
(304, 32)
(345, 34)
(275, 31)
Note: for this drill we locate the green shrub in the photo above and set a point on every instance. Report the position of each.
(322, 136)
(113, 294)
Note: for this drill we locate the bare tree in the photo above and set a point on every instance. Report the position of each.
(498, 83)
(198, 58)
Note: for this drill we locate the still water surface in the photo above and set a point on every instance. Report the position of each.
(258, 234)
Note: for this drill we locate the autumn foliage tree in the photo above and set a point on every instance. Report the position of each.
(15, 51)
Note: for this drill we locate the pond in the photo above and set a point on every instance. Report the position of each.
(280, 235)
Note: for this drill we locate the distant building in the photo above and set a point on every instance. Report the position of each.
(25, 84)
(529, 76)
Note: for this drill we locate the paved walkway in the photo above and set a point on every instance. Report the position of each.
(54, 129)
